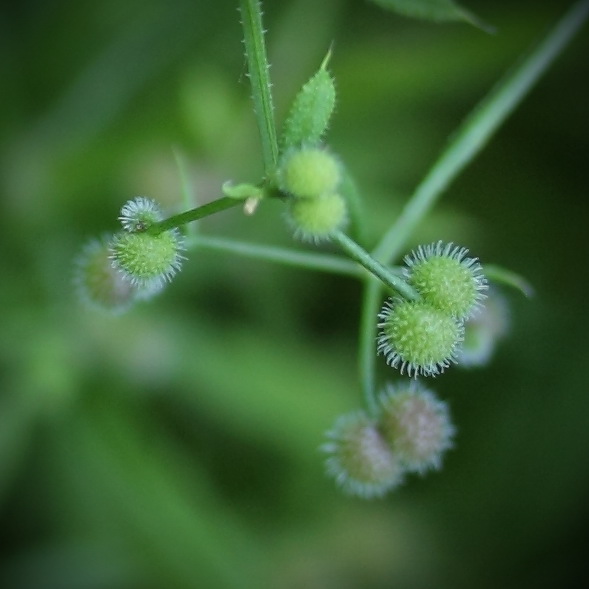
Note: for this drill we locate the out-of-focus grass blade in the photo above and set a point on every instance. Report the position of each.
(509, 278)
(189, 199)
(436, 10)
(16, 423)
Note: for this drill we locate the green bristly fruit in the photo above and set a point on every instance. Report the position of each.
(311, 110)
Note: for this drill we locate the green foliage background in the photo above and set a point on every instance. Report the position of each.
(177, 445)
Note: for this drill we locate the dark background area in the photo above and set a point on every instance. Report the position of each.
(177, 445)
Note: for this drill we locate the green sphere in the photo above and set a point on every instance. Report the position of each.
(315, 219)
(446, 279)
(309, 173)
(147, 261)
(418, 338)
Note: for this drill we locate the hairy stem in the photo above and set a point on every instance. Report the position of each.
(258, 69)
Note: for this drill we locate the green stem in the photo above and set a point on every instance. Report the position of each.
(367, 352)
(210, 208)
(308, 260)
(475, 132)
(255, 51)
(365, 259)
(367, 341)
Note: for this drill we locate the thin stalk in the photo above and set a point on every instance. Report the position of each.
(187, 193)
(365, 259)
(307, 260)
(258, 69)
(471, 137)
(210, 208)
(367, 352)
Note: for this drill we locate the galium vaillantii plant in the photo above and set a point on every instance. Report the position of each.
(438, 308)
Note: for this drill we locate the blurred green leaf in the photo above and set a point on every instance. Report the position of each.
(436, 10)
(16, 434)
(509, 278)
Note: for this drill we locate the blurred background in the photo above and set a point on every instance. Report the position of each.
(177, 445)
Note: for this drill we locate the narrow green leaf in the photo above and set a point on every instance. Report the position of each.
(436, 10)
(509, 278)
(188, 198)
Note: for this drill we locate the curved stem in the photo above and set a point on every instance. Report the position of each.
(367, 352)
(308, 260)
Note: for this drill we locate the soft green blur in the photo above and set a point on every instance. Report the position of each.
(177, 445)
